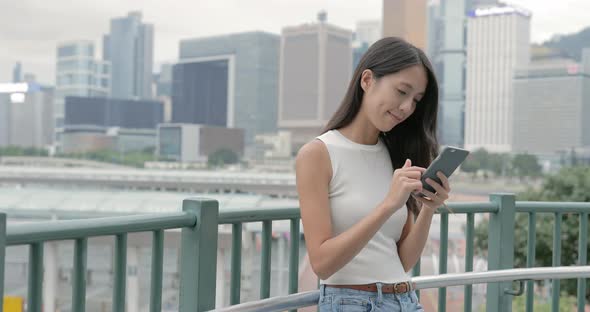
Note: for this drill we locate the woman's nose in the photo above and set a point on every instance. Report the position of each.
(406, 106)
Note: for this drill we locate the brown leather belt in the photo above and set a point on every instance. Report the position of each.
(398, 288)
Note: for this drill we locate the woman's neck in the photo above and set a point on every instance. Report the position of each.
(361, 131)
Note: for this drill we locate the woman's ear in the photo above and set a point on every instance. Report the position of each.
(366, 79)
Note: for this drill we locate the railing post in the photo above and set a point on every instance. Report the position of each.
(199, 256)
(2, 256)
(35, 278)
(120, 273)
(501, 250)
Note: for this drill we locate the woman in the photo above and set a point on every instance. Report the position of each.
(355, 183)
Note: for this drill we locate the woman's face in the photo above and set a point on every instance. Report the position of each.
(391, 99)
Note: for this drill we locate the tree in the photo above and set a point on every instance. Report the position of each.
(498, 163)
(570, 185)
(483, 160)
(525, 165)
(133, 158)
(566, 304)
(22, 151)
(222, 157)
(573, 157)
(475, 161)
(149, 150)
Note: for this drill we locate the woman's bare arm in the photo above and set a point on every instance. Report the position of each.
(328, 253)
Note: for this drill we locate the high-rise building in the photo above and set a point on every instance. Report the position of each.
(451, 67)
(405, 19)
(202, 93)
(229, 81)
(108, 112)
(129, 47)
(434, 31)
(368, 31)
(163, 86)
(315, 72)
(78, 73)
(358, 51)
(552, 111)
(498, 40)
(164, 81)
(447, 49)
(17, 73)
(26, 115)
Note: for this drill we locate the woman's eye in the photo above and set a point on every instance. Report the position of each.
(402, 92)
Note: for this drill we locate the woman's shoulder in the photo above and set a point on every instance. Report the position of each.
(314, 150)
(314, 154)
(318, 147)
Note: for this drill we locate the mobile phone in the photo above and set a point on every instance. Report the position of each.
(446, 162)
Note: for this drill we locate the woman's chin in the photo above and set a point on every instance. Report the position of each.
(387, 128)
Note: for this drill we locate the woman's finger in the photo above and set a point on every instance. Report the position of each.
(429, 194)
(437, 187)
(415, 168)
(416, 175)
(444, 180)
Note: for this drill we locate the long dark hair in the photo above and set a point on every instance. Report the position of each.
(415, 138)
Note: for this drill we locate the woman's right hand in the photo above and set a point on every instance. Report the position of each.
(405, 181)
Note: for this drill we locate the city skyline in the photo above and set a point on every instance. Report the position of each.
(34, 45)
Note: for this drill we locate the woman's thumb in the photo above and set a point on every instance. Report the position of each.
(408, 163)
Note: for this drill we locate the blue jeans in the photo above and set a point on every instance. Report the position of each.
(351, 300)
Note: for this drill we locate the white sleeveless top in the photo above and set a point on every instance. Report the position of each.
(361, 178)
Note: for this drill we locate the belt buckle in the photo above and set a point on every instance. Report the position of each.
(407, 284)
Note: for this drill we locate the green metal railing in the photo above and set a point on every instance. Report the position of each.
(469, 210)
(2, 255)
(199, 222)
(237, 218)
(558, 210)
(310, 298)
(502, 210)
(501, 242)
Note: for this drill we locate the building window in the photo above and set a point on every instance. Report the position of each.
(66, 51)
(170, 143)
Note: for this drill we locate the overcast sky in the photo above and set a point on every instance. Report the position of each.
(31, 29)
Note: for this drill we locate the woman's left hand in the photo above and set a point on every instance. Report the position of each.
(435, 200)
